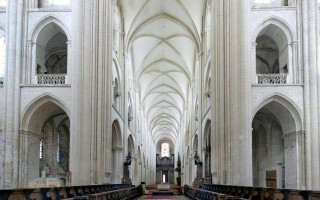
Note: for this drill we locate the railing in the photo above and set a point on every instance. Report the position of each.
(112, 191)
(52, 79)
(210, 191)
(272, 78)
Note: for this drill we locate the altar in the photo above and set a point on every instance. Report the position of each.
(163, 186)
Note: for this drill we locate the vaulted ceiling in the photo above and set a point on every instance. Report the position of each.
(163, 38)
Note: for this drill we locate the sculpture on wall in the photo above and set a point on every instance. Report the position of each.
(198, 180)
(128, 159)
(126, 173)
(178, 169)
(197, 159)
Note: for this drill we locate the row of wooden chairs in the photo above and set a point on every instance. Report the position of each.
(72, 192)
(253, 193)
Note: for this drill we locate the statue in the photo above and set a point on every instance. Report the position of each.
(198, 180)
(43, 173)
(196, 159)
(126, 173)
(178, 169)
(128, 159)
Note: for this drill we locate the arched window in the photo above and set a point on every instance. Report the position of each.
(165, 150)
(272, 55)
(51, 51)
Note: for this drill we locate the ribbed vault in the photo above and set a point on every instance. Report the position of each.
(162, 37)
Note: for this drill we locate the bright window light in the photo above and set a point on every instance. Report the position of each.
(165, 150)
(263, 1)
(2, 55)
(61, 2)
(3, 3)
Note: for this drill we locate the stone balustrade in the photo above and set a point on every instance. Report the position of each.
(272, 78)
(51, 79)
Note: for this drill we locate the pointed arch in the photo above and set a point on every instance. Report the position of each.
(280, 23)
(290, 110)
(131, 144)
(39, 110)
(116, 134)
(44, 22)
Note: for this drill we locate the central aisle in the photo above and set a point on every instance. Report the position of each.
(155, 197)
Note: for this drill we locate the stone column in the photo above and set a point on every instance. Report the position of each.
(117, 172)
(231, 92)
(32, 3)
(254, 77)
(218, 93)
(28, 70)
(292, 159)
(245, 134)
(11, 103)
(310, 93)
(29, 157)
(68, 77)
(295, 70)
(90, 70)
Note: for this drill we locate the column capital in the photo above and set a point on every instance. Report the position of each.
(254, 44)
(69, 43)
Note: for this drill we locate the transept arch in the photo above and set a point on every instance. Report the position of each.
(277, 144)
(45, 140)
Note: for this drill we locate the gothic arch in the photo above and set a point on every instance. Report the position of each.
(44, 22)
(45, 122)
(44, 106)
(195, 143)
(116, 134)
(277, 142)
(277, 21)
(131, 145)
(206, 133)
(289, 105)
